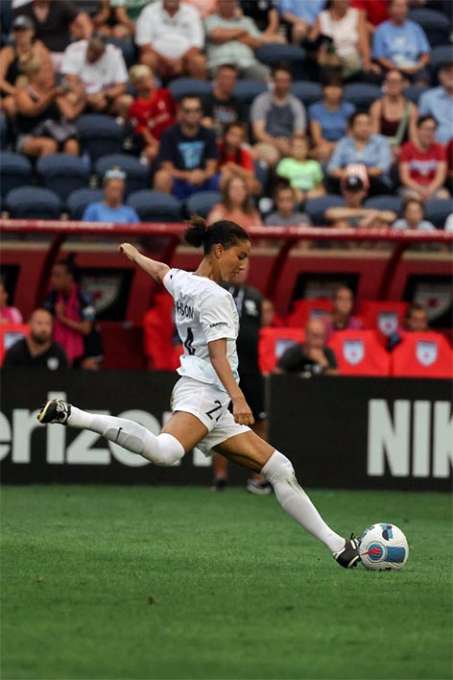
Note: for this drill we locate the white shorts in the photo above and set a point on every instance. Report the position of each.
(210, 406)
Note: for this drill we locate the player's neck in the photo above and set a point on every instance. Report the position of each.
(206, 269)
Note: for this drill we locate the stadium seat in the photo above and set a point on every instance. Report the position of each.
(316, 207)
(362, 95)
(99, 135)
(435, 24)
(440, 55)
(78, 201)
(384, 316)
(183, 86)
(3, 130)
(137, 173)
(360, 353)
(307, 91)
(276, 53)
(437, 210)
(273, 343)
(33, 203)
(202, 202)
(423, 355)
(385, 203)
(246, 90)
(307, 308)
(63, 173)
(414, 92)
(127, 48)
(155, 206)
(15, 171)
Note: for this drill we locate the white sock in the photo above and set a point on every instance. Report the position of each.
(161, 450)
(293, 499)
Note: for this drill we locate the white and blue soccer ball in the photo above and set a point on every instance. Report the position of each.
(383, 547)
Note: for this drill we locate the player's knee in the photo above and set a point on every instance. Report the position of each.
(168, 450)
(278, 468)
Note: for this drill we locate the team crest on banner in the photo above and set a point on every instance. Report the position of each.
(388, 322)
(353, 351)
(426, 352)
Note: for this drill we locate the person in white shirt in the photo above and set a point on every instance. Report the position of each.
(170, 36)
(96, 74)
(208, 324)
(413, 217)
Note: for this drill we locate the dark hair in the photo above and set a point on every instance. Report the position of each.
(191, 96)
(281, 67)
(415, 307)
(69, 264)
(224, 232)
(352, 118)
(423, 119)
(283, 186)
(230, 67)
(408, 201)
(331, 79)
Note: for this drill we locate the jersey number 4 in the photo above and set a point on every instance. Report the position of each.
(188, 343)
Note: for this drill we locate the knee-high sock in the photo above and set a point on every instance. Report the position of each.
(163, 449)
(293, 499)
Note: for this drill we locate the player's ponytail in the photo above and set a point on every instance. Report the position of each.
(225, 232)
(196, 232)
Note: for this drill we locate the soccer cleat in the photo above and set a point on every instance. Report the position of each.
(349, 556)
(259, 488)
(55, 411)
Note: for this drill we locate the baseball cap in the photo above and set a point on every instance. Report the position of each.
(353, 183)
(22, 23)
(114, 173)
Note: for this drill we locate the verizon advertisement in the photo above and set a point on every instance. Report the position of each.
(339, 432)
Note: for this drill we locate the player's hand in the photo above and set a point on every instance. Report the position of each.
(242, 412)
(129, 250)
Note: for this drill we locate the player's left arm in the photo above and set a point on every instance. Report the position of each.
(157, 270)
(218, 355)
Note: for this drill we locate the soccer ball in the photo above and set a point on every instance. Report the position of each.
(383, 547)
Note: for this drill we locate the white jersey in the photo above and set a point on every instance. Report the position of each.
(204, 312)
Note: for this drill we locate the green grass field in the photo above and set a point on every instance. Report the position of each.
(106, 583)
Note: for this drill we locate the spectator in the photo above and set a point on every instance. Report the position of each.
(416, 320)
(125, 14)
(37, 350)
(235, 160)
(353, 213)
(151, 112)
(402, 44)
(112, 208)
(55, 21)
(276, 116)
(95, 74)
(438, 103)
(299, 17)
(423, 163)
(344, 36)
(329, 119)
(376, 11)
(413, 217)
(364, 148)
(23, 48)
(269, 317)
(169, 34)
(286, 214)
(449, 223)
(7, 314)
(93, 352)
(304, 175)
(341, 318)
(220, 106)
(312, 357)
(188, 154)
(232, 39)
(265, 15)
(204, 7)
(72, 309)
(237, 205)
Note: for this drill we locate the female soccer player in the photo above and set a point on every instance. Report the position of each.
(207, 322)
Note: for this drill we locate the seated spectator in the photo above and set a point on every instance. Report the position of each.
(423, 163)
(220, 106)
(93, 352)
(112, 208)
(204, 7)
(188, 154)
(123, 15)
(304, 175)
(269, 317)
(416, 320)
(362, 147)
(438, 103)
(96, 74)
(43, 116)
(13, 56)
(402, 44)
(343, 39)
(37, 350)
(413, 217)
(299, 17)
(7, 314)
(276, 117)
(341, 318)
(265, 15)
(329, 119)
(394, 116)
(232, 39)
(376, 11)
(235, 160)
(170, 36)
(151, 112)
(311, 358)
(286, 214)
(237, 205)
(449, 223)
(72, 309)
(56, 23)
(353, 214)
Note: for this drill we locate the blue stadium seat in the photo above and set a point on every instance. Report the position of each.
(202, 202)
(79, 199)
(273, 54)
(307, 91)
(15, 171)
(246, 90)
(3, 131)
(385, 203)
(442, 54)
(437, 210)
(99, 135)
(63, 173)
(316, 207)
(155, 206)
(435, 24)
(362, 95)
(127, 48)
(413, 92)
(137, 174)
(183, 86)
(33, 203)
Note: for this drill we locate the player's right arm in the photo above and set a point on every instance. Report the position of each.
(157, 270)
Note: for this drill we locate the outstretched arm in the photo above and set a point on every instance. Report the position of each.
(156, 270)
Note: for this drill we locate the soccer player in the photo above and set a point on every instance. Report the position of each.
(207, 321)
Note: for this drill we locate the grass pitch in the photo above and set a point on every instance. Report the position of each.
(157, 583)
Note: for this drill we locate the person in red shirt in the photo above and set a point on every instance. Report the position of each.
(151, 112)
(423, 163)
(235, 159)
(376, 11)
